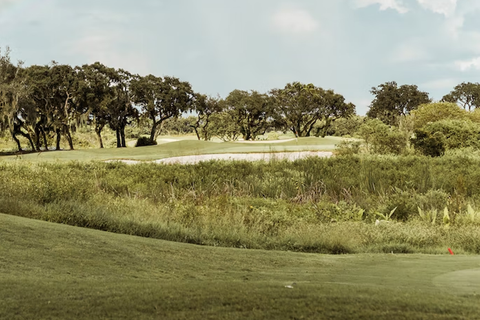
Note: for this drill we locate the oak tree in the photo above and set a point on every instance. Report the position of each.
(392, 101)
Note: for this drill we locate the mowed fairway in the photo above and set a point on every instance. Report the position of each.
(180, 147)
(50, 271)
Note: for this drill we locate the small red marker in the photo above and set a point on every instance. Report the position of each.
(450, 250)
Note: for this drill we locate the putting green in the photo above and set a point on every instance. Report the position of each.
(460, 282)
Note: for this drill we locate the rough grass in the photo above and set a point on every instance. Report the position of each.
(312, 205)
(51, 271)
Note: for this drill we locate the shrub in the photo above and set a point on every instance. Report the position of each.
(348, 148)
(383, 139)
(145, 141)
(457, 133)
(273, 135)
(433, 112)
(429, 144)
(345, 126)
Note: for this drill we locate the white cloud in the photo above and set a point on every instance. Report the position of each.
(455, 12)
(410, 52)
(445, 7)
(106, 47)
(465, 65)
(294, 21)
(6, 3)
(384, 4)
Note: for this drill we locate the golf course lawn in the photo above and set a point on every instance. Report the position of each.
(180, 147)
(51, 271)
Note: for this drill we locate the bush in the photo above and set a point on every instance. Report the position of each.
(383, 139)
(345, 126)
(432, 145)
(348, 148)
(273, 135)
(457, 133)
(433, 112)
(179, 125)
(145, 141)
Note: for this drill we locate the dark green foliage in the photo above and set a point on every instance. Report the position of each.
(250, 111)
(346, 126)
(392, 101)
(298, 108)
(205, 107)
(437, 137)
(178, 126)
(161, 99)
(223, 128)
(429, 144)
(145, 141)
(457, 133)
(467, 95)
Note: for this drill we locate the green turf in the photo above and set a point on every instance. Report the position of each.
(50, 271)
(180, 148)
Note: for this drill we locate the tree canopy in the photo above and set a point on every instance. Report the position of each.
(161, 99)
(299, 106)
(466, 94)
(391, 101)
(251, 111)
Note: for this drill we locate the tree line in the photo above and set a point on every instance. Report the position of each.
(50, 102)
(403, 119)
(46, 103)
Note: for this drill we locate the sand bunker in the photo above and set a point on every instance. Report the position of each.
(291, 156)
(264, 141)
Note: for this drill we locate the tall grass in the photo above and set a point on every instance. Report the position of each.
(311, 205)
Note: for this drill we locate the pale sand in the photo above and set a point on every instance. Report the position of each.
(291, 156)
(264, 141)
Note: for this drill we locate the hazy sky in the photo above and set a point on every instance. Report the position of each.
(222, 45)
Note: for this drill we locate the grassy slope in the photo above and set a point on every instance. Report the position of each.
(56, 271)
(180, 148)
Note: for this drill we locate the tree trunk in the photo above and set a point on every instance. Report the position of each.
(117, 131)
(296, 131)
(196, 132)
(29, 138)
(153, 132)
(38, 144)
(59, 137)
(206, 136)
(328, 122)
(69, 138)
(14, 136)
(122, 135)
(45, 141)
(99, 137)
(98, 131)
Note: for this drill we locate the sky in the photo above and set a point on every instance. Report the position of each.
(218, 46)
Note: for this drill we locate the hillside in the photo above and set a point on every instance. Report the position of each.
(57, 272)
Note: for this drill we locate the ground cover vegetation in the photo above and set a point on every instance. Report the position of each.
(311, 205)
(53, 271)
